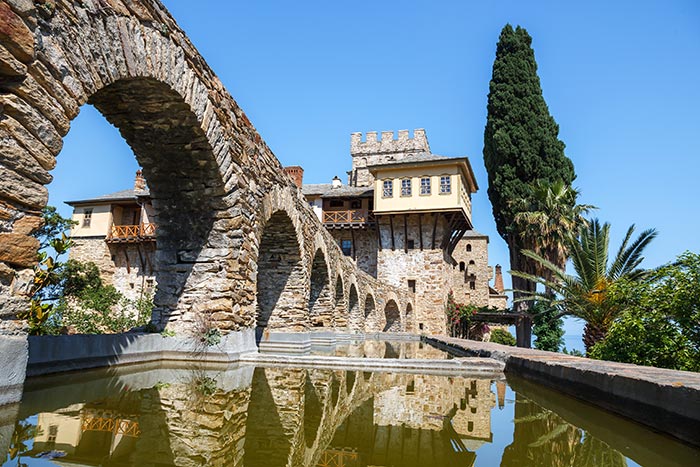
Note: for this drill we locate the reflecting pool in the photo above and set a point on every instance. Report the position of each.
(245, 416)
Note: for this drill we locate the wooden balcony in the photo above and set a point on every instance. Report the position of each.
(132, 233)
(350, 218)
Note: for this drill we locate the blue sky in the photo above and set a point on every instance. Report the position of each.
(621, 79)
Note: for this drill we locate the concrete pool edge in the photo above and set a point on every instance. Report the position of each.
(665, 400)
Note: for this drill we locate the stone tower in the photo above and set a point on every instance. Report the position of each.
(383, 150)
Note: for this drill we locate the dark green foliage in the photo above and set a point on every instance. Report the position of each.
(659, 325)
(548, 327)
(501, 336)
(521, 143)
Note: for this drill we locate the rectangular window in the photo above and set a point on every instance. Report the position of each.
(388, 190)
(406, 187)
(425, 186)
(346, 246)
(410, 244)
(87, 217)
(412, 285)
(445, 184)
(337, 203)
(355, 204)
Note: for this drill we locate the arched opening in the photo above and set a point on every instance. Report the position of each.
(184, 198)
(469, 247)
(340, 311)
(393, 317)
(461, 266)
(369, 305)
(184, 182)
(409, 318)
(354, 305)
(280, 284)
(320, 300)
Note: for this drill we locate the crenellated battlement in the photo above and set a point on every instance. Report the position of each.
(387, 143)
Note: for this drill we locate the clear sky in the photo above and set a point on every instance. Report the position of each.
(621, 78)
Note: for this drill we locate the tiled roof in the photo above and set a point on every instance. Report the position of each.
(123, 195)
(326, 190)
(474, 233)
(417, 158)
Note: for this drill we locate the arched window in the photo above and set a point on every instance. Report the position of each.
(471, 262)
(469, 247)
(461, 266)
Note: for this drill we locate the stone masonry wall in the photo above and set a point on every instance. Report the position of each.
(128, 267)
(428, 267)
(480, 270)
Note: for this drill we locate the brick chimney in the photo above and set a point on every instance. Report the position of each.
(139, 181)
(498, 282)
(296, 173)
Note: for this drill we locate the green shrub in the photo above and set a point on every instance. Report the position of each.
(501, 336)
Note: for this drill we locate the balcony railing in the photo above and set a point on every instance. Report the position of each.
(132, 233)
(352, 216)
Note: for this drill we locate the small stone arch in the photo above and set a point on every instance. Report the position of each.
(353, 305)
(340, 309)
(392, 315)
(280, 280)
(370, 321)
(320, 299)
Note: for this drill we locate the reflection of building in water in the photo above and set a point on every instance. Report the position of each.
(87, 435)
(428, 403)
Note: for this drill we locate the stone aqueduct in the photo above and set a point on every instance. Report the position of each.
(237, 242)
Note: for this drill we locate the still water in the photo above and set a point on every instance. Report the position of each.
(247, 416)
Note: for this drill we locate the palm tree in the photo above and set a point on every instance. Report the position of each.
(585, 295)
(547, 219)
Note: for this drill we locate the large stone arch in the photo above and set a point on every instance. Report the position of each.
(155, 89)
(215, 183)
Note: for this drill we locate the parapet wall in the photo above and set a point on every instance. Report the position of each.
(665, 400)
(387, 144)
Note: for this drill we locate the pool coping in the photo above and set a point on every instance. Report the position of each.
(665, 400)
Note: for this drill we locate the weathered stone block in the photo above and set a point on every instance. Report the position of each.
(22, 190)
(9, 65)
(18, 249)
(15, 35)
(27, 225)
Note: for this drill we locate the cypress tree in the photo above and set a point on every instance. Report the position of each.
(521, 141)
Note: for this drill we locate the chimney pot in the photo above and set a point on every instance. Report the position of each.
(296, 173)
(498, 282)
(139, 181)
(336, 182)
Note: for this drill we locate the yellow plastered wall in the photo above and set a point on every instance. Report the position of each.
(435, 201)
(100, 222)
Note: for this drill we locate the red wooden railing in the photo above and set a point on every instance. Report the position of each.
(132, 232)
(352, 216)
